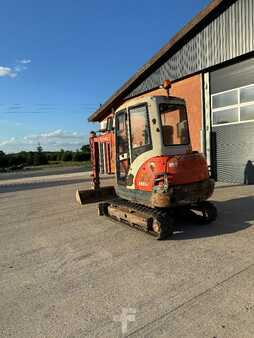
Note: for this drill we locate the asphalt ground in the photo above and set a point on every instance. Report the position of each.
(66, 272)
(40, 172)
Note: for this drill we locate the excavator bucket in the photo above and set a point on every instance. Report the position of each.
(97, 193)
(94, 196)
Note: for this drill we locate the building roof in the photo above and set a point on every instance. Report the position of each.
(119, 95)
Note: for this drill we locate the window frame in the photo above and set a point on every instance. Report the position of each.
(237, 106)
(121, 112)
(135, 152)
(121, 179)
(187, 120)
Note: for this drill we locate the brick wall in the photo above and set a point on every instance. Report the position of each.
(190, 90)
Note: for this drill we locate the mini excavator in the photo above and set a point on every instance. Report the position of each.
(158, 176)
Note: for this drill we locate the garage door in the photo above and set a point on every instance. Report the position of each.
(232, 103)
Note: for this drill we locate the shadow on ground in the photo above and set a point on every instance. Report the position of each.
(233, 216)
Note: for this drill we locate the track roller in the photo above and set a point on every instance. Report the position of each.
(157, 222)
(165, 223)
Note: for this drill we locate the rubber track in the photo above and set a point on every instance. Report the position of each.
(158, 214)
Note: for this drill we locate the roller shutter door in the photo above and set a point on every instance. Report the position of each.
(232, 100)
(234, 150)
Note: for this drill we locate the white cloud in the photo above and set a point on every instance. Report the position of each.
(19, 69)
(7, 71)
(53, 140)
(25, 61)
(8, 142)
(59, 133)
(12, 72)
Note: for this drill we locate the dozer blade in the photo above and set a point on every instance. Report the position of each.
(93, 196)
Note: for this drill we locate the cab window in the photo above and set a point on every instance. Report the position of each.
(110, 123)
(121, 133)
(139, 126)
(174, 124)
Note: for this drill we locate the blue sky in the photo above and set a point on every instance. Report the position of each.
(60, 59)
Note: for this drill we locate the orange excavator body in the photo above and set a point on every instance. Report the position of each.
(156, 168)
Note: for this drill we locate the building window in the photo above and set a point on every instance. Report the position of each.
(233, 106)
(225, 99)
(225, 116)
(247, 94)
(247, 112)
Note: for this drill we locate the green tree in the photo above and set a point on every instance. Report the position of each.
(85, 148)
(39, 149)
(52, 156)
(60, 155)
(39, 156)
(76, 156)
(30, 158)
(67, 156)
(3, 160)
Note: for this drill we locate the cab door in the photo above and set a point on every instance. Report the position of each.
(122, 147)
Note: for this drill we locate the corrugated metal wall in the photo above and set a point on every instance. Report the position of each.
(237, 75)
(228, 36)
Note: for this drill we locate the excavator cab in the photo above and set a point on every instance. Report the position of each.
(154, 155)
(148, 127)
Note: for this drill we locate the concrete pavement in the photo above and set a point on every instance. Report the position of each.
(65, 272)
